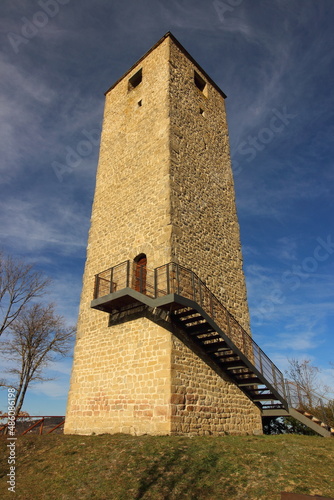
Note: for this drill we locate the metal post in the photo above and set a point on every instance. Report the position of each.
(287, 386)
(200, 293)
(155, 283)
(111, 280)
(283, 387)
(127, 273)
(260, 359)
(193, 286)
(177, 279)
(274, 375)
(228, 323)
(243, 340)
(323, 413)
(167, 277)
(300, 402)
(96, 286)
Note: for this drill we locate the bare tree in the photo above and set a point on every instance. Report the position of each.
(307, 387)
(19, 283)
(37, 337)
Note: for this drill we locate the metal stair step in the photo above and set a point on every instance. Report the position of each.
(249, 384)
(263, 397)
(238, 373)
(248, 381)
(194, 319)
(229, 360)
(198, 329)
(223, 354)
(203, 331)
(232, 365)
(183, 314)
(262, 391)
(214, 347)
(210, 337)
(273, 406)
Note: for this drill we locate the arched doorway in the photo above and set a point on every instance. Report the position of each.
(140, 272)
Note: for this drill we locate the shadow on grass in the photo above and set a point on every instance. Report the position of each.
(172, 472)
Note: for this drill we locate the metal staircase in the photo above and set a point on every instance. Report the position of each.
(209, 337)
(194, 309)
(310, 409)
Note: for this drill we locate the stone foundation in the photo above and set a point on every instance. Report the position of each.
(139, 378)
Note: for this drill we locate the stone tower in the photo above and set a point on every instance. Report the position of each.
(164, 193)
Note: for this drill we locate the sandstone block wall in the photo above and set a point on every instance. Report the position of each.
(121, 381)
(204, 402)
(130, 216)
(205, 235)
(156, 193)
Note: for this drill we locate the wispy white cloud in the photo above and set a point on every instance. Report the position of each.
(52, 388)
(265, 57)
(37, 225)
(60, 367)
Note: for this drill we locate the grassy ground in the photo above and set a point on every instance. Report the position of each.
(124, 467)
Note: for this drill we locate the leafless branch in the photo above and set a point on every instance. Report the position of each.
(19, 284)
(38, 336)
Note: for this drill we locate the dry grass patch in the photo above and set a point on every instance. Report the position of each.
(123, 467)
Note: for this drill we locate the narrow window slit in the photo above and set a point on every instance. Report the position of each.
(199, 82)
(135, 80)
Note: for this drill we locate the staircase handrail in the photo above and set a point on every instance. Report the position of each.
(174, 278)
(311, 402)
(320, 396)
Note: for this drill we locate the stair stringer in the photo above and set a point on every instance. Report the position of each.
(309, 423)
(174, 301)
(194, 305)
(292, 412)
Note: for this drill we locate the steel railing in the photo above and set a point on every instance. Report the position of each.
(310, 402)
(25, 424)
(173, 278)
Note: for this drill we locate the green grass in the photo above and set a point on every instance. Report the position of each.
(123, 467)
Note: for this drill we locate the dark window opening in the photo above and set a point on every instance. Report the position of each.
(201, 111)
(199, 82)
(139, 274)
(140, 103)
(135, 80)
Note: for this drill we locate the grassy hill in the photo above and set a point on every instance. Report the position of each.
(123, 467)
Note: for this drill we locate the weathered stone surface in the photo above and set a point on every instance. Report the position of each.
(164, 188)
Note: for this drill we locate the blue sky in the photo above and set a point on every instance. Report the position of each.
(274, 60)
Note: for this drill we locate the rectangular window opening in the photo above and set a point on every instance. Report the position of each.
(135, 80)
(199, 82)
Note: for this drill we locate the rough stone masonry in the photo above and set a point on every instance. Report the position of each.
(164, 189)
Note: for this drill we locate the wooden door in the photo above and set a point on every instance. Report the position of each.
(140, 274)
